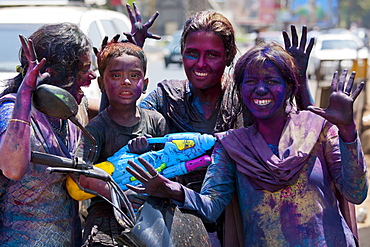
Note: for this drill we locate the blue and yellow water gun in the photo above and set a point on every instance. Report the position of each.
(182, 153)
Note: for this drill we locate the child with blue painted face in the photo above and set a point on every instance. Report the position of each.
(296, 173)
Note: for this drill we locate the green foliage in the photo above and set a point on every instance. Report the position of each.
(354, 11)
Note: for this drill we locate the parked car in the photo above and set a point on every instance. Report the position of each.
(363, 34)
(272, 36)
(172, 51)
(96, 23)
(335, 51)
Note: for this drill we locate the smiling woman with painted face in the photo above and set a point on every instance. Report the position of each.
(205, 101)
(35, 208)
(290, 169)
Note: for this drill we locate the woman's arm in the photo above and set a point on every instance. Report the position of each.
(218, 186)
(217, 190)
(347, 165)
(15, 148)
(349, 171)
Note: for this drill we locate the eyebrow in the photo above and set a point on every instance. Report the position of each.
(131, 70)
(194, 48)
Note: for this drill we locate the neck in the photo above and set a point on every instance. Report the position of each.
(127, 115)
(271, 129)
(207, 100)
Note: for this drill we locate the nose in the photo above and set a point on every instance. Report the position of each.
(201, 62)
(261, 88)
(125, 82)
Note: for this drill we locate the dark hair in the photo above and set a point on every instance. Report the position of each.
(62, 45)
(113, 50)
(255, 58)
(211, 21)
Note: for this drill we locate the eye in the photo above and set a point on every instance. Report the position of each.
(135, 76)
(212, 55)
(249, 82)
(116, 76)
(191, 54)
(272, 82)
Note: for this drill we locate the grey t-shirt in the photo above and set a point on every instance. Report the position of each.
(110, 136)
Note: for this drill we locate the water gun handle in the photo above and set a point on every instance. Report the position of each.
(186, 167)
(194, 164)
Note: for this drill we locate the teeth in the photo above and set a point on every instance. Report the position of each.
(125, 93)
(262, 102)
(200, 74)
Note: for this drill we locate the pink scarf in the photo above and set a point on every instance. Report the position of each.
(254, 157)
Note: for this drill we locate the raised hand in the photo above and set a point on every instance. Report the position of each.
(105, 43)
(139, 31)
(340, 109)
(154, 184)
(300, 53)
(33, 75)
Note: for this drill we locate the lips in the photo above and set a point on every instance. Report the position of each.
(262, 102)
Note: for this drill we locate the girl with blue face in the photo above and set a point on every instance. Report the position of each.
(267, 80)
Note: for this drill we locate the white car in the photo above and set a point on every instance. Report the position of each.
(96, 23)
(335, 51)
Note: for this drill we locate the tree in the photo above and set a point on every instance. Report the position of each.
(354, 11)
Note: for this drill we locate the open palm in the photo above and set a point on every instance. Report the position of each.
(340, 109)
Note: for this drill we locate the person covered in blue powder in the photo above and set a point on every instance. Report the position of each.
(295, 173)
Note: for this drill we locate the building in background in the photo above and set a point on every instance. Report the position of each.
(248, 15)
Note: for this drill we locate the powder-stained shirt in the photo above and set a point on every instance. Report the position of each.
(110, 136)
(303, 213)
(37, 210)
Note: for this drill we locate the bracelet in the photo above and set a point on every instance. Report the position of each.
(19, 121)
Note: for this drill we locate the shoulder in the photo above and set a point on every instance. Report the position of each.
(151, 114)
(8, 98)
(305, 116)
(232, 132)
(101, 121)
(174, 87)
